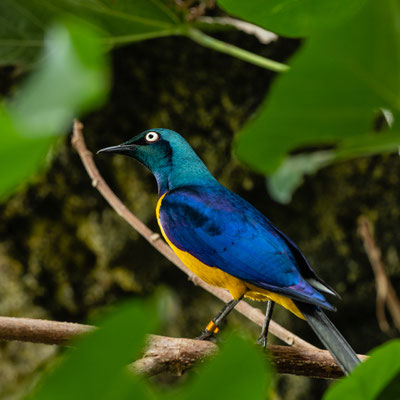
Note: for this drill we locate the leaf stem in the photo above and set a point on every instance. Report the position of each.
(215, 44)
(136, 37)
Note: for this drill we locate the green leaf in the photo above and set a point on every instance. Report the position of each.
(331, 94)
(371, 144)
(22, 22)
(392, 389)
(290, 175)
(21, 31)
(71, 79)
(374, 378)
(96, 368)
(296, 18)
(239, 371)
(19, 156)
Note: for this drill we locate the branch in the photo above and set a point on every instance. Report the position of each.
(252, 313)
(385, 294)
(169, 354)
(40, 330)
(177, 355)
(263, 36)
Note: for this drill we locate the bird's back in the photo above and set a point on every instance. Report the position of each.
(223, 231)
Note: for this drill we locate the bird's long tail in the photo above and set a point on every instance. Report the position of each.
(331, 338)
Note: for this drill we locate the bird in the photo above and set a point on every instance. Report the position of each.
(228, 243)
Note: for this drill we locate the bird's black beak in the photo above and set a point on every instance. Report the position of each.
(120, 149)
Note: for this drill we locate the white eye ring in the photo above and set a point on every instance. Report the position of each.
(152, 137)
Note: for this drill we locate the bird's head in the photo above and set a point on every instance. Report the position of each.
(167, 155)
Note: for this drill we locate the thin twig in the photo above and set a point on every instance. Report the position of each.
(263, 36)
(252, 313)
(168, 354)
(385, 294)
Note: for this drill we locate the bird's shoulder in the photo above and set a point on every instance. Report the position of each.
(199, 194)
(216, 210)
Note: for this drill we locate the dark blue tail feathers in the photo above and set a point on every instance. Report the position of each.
(331, 338)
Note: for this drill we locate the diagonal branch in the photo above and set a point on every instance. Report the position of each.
(252, 313)
(385, 293)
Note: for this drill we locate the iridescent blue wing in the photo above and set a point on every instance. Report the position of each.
(222, 230)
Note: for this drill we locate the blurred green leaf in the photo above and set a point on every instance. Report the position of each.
(330, 96)
(392, 389)
(22, 22)
(19, 156)
(72, 78)
(372, 143)
(373, 379)
(96, 368)
(296, 18)
(290, 175)
(21, 31)
(239, 371)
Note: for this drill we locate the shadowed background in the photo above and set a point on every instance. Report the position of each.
(64, 254)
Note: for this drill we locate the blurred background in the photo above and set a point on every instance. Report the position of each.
(65, 254)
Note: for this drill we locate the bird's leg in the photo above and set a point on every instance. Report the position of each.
(213, 326)
(264, 330)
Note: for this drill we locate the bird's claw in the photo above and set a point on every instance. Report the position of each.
(262, 340)
(206, 335)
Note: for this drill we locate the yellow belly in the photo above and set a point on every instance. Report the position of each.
(216, 277)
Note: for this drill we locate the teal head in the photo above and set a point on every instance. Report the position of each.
(168, 156)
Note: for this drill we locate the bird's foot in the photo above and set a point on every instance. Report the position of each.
(262, 340)
(206, 335)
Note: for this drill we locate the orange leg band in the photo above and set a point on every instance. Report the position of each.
(211, 327)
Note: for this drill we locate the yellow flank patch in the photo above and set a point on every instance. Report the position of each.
(216, 277)
(259, 294)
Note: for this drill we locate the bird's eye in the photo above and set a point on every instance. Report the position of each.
(152, 137)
